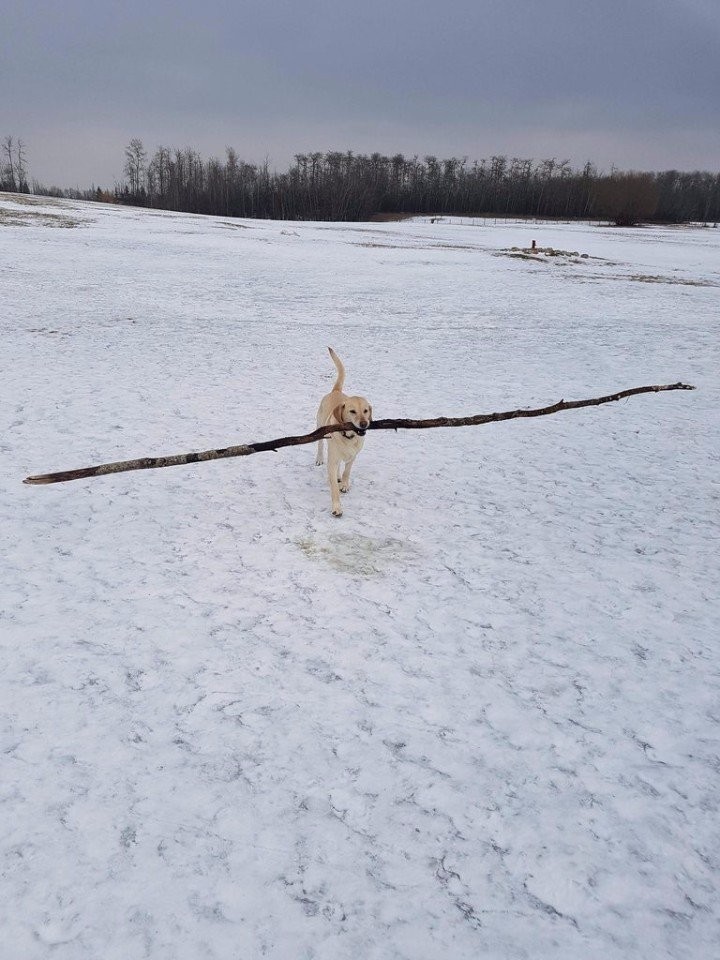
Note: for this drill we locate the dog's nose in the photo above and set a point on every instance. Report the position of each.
(364, 424)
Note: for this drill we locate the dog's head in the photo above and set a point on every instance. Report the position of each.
(355, 410)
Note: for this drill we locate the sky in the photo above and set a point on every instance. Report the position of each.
(633, 84)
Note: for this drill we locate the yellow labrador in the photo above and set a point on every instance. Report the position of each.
(344, 445)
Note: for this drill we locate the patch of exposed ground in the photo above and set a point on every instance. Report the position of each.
(416, 246)
(642, 278)
(358, 555)
(48, 332)
(545, 255)
(29, 200)
(34, 218)
(684, 282)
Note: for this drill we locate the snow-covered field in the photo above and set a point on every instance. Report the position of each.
(478, 716)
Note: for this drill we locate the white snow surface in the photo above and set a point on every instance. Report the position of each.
(477, 716)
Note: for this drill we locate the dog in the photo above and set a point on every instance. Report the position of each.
(344, 445)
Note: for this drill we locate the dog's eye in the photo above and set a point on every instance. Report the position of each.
(353, 411)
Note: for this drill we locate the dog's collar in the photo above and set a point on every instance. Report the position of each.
(349, 436)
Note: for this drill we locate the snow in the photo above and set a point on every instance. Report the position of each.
(478, 715)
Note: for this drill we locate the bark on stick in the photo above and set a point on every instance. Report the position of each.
(245, 450)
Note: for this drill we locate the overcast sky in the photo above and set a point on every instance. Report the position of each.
(634, 83)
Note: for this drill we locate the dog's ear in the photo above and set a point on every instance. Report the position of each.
(370, 409)
(339, 413)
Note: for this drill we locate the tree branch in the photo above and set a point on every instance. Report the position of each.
(244, 450)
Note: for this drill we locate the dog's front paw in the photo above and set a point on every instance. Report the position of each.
(344, 487)
(319, 462)
(337, 512)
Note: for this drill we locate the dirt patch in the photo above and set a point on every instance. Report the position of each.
(358, 555)
(48, 332)
(545, 255)
(450, 246)
(34, 218)
(416, 246)
(649, 278)
(28, 200)
(8, 218)
(386, 246)
(639, 278)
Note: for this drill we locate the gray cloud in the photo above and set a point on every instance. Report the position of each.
(631, 84)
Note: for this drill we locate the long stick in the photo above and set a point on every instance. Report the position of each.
(244, 450)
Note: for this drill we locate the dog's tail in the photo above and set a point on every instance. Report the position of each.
(340, 369)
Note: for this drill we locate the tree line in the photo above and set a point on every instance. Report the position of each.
(349, 186)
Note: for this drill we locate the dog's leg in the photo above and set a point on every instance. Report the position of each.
(345, 479)
(333, 465)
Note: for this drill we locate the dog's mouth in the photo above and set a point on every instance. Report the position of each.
(361, 431)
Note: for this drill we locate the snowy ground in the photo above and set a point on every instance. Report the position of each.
(478, 716)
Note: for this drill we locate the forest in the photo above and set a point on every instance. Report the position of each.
(356, 186)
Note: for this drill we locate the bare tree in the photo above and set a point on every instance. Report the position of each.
(135, 158)
(9, 164)
(21, 167)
